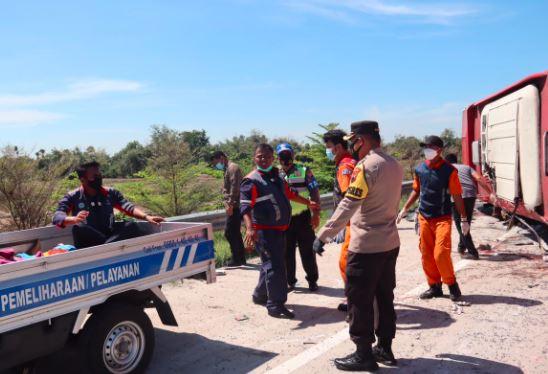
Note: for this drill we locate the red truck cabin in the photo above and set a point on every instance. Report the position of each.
(504, 137)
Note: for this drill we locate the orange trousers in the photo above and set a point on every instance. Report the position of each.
(343, 259)
(435, 246)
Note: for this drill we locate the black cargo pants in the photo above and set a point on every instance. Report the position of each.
(301, 233)
(371, 276)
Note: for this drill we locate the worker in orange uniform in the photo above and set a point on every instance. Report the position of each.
(436, 181)
(336, 149)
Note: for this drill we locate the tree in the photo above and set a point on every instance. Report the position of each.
(27, 192)
(198, 143)
(132, 159)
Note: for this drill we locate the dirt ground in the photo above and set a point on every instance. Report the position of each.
(502, 331)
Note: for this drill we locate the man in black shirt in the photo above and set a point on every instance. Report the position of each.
(90, 210)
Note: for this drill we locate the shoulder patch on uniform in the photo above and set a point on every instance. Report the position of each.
(358, 186)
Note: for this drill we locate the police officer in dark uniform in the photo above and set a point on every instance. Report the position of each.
(264, 204)
(303, 222)
(89, 209)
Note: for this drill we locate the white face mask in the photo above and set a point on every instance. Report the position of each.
(430, 154)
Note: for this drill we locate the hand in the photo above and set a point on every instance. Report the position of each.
(465, 226)
(155, 220)
(401, 215)
(250, 239)
(492, 198)
(318, 247)
(314, 206)
(315, 221)
(229, 209)
(80, 217)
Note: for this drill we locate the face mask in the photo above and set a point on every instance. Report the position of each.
(285, 158)
(355, 153)
(329, 153)
(430, 154)
(264, 170)
(220, 166)
(97, 183)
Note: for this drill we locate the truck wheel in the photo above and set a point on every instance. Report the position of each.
(117, 339)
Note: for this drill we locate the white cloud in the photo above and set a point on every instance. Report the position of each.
(419, 11)
(17, 118)
(76, 91)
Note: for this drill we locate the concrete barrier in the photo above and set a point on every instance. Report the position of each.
(218, 217)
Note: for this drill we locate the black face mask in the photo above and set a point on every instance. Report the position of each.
(285, 158)
(97, 183)
(355, 154)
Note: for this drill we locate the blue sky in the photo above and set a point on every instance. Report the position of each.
(101, 73)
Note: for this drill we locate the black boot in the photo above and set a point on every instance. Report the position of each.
(454, 292)
(361, 360)
(281, 312)
(382, 352)
(313, 286)
(343, 307)
(434, 291)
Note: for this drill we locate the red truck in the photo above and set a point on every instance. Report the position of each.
(504, 137)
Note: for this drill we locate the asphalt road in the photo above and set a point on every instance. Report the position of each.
(503, 330)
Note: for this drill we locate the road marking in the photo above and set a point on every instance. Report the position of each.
(316, 351)
(310, 354)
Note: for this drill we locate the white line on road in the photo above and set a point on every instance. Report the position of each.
(316, 351)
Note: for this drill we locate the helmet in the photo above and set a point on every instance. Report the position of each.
(283, 147)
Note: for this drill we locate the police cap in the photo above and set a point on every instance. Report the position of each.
(363, 128)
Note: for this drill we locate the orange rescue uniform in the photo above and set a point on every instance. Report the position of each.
(435, 236)
(345, 168)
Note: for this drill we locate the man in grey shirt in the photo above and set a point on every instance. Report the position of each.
(469, 179)
(231, 200)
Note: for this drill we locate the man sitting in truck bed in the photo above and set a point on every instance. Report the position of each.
(92, 211)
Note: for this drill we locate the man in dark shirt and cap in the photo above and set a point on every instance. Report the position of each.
(90, 210)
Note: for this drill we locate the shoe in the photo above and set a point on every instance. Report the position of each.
(343, 307)
(454, 292)
(434, 291)
(384, 355)
(470, 256)
(313, 286)
(259, 300)
(281, 312)
(291, 287)
(357, 362)
(461, 250)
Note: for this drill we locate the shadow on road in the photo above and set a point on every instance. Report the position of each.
(193, 353)
(315, 315)
(492, 299)
(451, 363)
(412, 317)
(323, 290)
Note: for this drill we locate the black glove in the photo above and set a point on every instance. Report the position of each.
(318, 246)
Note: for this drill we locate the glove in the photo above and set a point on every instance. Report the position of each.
(401, 215)
(318, 246)
(465, 226)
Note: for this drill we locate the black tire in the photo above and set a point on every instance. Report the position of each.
(131, 324)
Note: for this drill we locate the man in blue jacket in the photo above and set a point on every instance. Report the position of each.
(264, 204)
(89, 209)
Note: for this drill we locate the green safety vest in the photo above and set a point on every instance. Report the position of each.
(297, 182)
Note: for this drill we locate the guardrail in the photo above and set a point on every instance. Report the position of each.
(218, 217)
